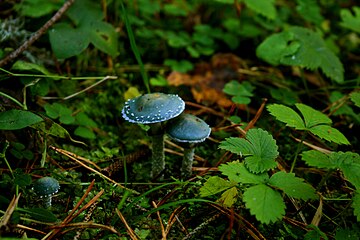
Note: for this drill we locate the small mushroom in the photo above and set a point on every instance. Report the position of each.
(45, 188)
(188, 130)
(153, 109)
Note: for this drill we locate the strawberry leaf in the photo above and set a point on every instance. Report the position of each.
(259, 149)
(287, 115)
(292, 186)
(265, 203)
(237, 172)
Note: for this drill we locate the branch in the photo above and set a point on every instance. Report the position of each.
(37, 34)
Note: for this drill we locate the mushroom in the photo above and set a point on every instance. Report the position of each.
(188, 130)
(153, 109)
(45, 188)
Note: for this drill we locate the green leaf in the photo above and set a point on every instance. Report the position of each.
(179, 66)
(311, 116)
(318, 159)
(214, 185)
(259, 149)
(315, 233)
(67, 41)
(330, 134)
(263, 7)
(237, 172)
(298, 46)
(27, 66)
(349, 20)
(84, 132)
(31, 8)
(356, 205)
(292, 186)
(51, 128)
(241, 91)
(310, 11)
(103, 36)
(355, 97)
(17, 119)
(41, 214)
(82, 11)
(84, 120)
(229, 197)
(286, 115)
(348, 163)
(347, 233)
(314, 121)
(265, 203)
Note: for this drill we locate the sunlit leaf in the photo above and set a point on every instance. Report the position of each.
(214, 185)
(229, 197)
(329, 133)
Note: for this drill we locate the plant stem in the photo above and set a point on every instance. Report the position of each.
(158, 155)
(298, 149)
(186, 166)
(12, 99)
(3, 156)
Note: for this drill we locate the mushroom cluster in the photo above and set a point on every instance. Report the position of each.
(45, 188)
(156, 109)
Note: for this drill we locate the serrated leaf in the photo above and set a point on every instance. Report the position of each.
(292, 186)
(259, 149)
(310, 11)
(265, 203)
(298, 46)
(348, 163)
(349, 20)
(214, 185)
(263, 7)
(237, 172)
(229, 197)
(329, 133)
(356, 205)
(318, 159)
(311, 116)
(286, 115)
(17, 119)
(355, 97)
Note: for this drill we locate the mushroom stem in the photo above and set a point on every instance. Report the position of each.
(158, 156)
(47, 201)
(186, 166)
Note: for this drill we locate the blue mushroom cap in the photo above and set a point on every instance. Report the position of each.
(188, 128)
(46, 186)
(153, 108)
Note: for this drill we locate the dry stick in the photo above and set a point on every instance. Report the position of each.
(91, 169)
(163, 234)
(69, 217)
(37, 34)
(131, 232)
(257, 116)
(65, 224)
(7, 215)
